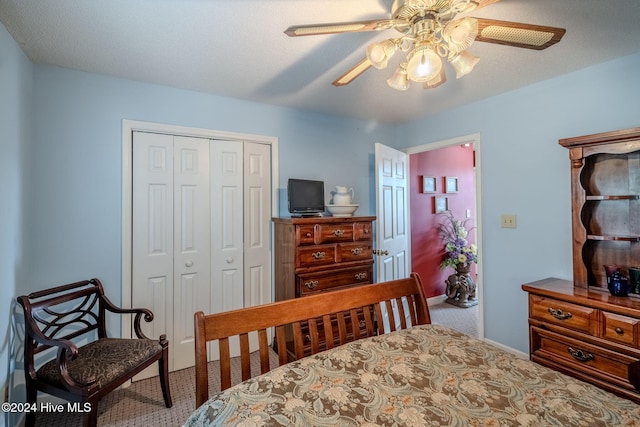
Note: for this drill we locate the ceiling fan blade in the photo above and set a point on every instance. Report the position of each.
(517, 34)
(353, 73)
(339, 27)
(483, 3)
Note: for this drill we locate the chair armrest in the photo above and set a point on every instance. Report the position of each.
(139, 312)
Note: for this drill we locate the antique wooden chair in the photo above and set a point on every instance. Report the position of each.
(315, 319)
(53, 317)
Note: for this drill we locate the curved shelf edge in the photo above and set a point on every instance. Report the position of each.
(611, 197)
(618, 238)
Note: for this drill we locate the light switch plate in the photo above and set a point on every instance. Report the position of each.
(508, 221)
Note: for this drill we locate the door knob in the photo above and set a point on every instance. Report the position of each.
(188, 263)
(229, 260)
(380, 252)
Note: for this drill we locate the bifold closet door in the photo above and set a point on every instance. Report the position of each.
(171, 236)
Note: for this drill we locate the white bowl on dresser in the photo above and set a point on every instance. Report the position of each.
(342, 210)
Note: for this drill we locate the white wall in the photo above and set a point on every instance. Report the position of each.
(526, 172)
(15, 90)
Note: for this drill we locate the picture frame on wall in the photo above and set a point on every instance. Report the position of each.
(450, 184)
(428, 184)
(440, 204)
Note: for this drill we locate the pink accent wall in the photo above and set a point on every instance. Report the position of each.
(427, 249)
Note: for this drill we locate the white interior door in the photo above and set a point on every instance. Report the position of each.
(392, 240)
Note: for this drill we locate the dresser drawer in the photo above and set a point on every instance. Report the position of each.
(311, 283)
(363, 231)
(585, 358)
(305, 234)
(576, 317)
(311, 256)
(622, 329)
(354, 251)
(326, 233)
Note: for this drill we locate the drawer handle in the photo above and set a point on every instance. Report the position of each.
(318, 255)
(619, 330)
(361, 276)
(559, 314)
(311, 284)
(308, 234)
(580, 355)
(356, 251)
(338, 233)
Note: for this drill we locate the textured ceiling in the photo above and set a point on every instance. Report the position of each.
(237, 48)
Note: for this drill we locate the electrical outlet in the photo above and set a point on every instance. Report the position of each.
(508, 221)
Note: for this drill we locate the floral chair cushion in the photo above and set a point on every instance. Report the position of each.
(102, 360)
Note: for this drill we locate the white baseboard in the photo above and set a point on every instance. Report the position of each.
(513, 351)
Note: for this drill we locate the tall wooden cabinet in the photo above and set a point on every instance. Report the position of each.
(321, 254)
(576, 326)
(605, 202)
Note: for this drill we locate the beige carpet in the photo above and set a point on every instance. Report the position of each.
(464, 320)
(141, 404)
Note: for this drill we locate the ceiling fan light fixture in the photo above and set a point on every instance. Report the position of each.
(423, 64)
(380, 53)
(438, 80)
(399, 80)
(463, 63)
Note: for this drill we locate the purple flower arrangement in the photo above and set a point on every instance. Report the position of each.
(454, 235)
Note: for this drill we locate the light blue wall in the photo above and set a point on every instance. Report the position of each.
(61, 169)
(15, 121)
(77, 154)
(526, 172)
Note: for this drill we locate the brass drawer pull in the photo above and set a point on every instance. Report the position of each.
(338, 233)
(361, 276)
(559, 314)
(356, 251)
(580, 355)
(311, 284)
(619, 330)
(318, 255)
(308, 234)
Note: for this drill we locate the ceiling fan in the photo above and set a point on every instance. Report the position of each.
(429, 33)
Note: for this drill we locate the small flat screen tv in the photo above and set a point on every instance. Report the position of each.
(306, 197)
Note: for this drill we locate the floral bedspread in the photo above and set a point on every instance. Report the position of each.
(425, 376)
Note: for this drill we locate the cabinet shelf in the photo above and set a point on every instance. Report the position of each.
(618, 197)
(617, 238)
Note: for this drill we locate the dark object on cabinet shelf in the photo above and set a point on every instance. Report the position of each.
(321, 254)
(605, 202)
(84, 374)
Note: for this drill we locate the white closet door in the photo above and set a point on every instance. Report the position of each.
(192, 247)
(171, 249)
(227, 257)
(257, 223)
(152, 240)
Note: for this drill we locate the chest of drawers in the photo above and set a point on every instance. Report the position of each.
(321, 254)
(590, 335)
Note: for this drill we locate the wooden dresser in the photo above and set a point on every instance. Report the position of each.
(321, 254)
(577, 326)
(586, 333)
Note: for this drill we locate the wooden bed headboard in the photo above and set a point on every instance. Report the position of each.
(319, 316)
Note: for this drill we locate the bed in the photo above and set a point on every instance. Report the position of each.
(417, 374)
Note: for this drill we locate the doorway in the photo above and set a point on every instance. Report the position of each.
(427, 197)
(219, 182)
